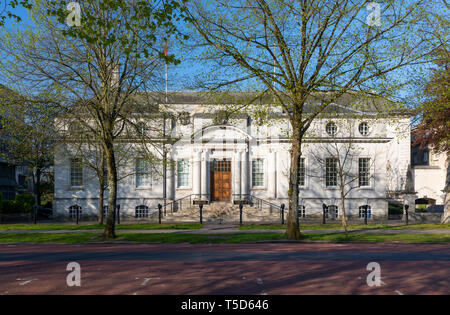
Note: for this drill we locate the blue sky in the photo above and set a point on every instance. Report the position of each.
(179, 76)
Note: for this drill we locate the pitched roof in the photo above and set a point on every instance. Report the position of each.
(348, 102)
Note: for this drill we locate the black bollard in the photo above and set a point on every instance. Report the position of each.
(78, 214)
(240, 213)
(324, 206)
(406, 213)
(365, 214)
(201, 213)
(282, 213)
(159, 212)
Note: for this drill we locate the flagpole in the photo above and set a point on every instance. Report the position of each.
(166, 53)
(166, 82)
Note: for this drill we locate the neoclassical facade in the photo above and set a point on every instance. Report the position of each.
(217, 157)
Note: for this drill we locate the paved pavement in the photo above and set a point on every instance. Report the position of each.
(282, 268)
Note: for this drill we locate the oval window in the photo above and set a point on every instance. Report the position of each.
(331, 128)
(364, 128)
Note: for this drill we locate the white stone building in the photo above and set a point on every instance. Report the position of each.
(218, 158)
(429, 172)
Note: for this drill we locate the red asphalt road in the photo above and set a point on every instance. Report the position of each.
(264, 268)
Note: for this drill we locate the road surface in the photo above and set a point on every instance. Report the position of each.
(264, 268)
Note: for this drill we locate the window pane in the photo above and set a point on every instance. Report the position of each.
(331, 128)
(364, 172)
(142, 173)
(76, 172)
(141, 211)
(183, 173)
(258, 172)
(361, 212)
(331, 172)
(301, 172)
(364, 128)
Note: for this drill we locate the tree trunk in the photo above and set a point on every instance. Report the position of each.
(101, 181)
(293, 227)
(38, 186)
(446, 215)
(100, 201)
(109, 231)
(344, 215)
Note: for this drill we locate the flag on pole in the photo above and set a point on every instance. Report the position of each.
(166, 51)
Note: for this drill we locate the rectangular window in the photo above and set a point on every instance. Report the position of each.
(142, 173)
(76, 172)
(331, 169)
(364, 172)
(183, 173)
(258, 173)
(302, 172)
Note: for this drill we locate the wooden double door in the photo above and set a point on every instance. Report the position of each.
(220, 180)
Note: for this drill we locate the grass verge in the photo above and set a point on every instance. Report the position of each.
(217, 238)
(431, 226)
(139, 226)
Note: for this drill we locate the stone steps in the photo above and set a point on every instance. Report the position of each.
(222, 212)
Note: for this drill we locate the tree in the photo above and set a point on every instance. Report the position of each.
(341, 162)
(28, 129)
(95, 67)
(310, 53)
(434, 128)
(7, 9)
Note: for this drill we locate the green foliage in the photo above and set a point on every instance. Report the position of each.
(7, 12)
(395, 208)
(23, 203)
(434, 129)
(145, 18)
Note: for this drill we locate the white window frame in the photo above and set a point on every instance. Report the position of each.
(264, 173)
(369, 170)
(302, 211)
(148, 185)
(369, 129)
(73, 211)
(144, 211)
(326, 128)
(188, 164)
(337, 174)
(361, 212)
(305, 173)
(336, 212)
(81, 172)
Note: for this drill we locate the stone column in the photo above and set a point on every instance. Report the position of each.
(196, 179)
(204, 178)
(170, 180)
(244, 174)
(271, 176)
(237, 175)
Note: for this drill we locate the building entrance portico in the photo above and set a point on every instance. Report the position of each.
(220, 156)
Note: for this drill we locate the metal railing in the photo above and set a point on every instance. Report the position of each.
(258, 203)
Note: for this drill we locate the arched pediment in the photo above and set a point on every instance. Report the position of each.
(220, 132)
